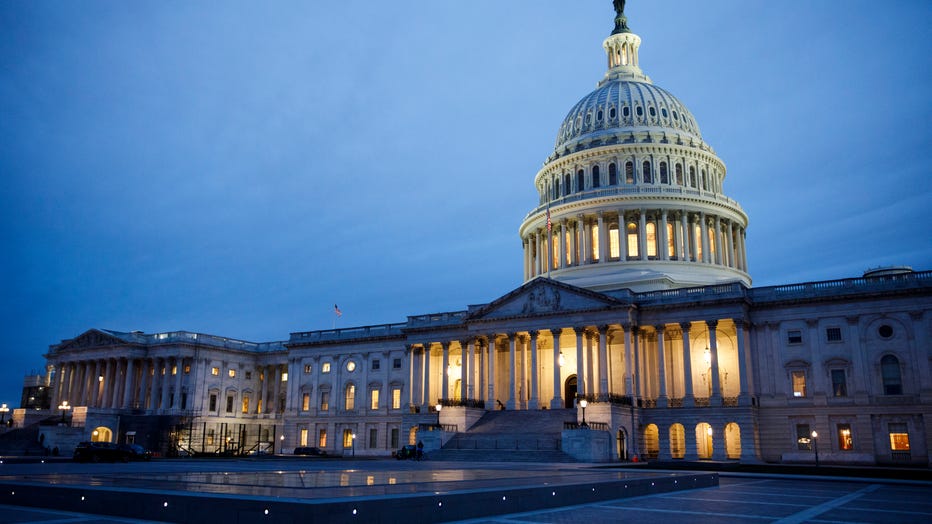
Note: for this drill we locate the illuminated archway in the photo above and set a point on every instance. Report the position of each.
(704, 440)
(101, 434)
(651, 441)
(733, 441)
(677, 441)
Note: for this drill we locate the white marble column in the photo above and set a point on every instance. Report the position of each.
(580, 362)
(129, 385)
(425, 404)
(713, 352)
(603, 360)
(534, 401)
(664, 241)
(642, 234)
(603, 245)
(491, 373)
(744, 398)
(557, 401)
(662, 399)
(689, 398)
(444, 370)
(512, 363)
(464, 374)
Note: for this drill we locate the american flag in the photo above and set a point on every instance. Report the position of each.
(549, 223)
(336, 310)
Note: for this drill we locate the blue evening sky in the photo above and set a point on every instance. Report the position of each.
(237, 167)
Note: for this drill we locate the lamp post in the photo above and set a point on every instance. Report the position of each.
(3, 411)
(438, 407)
(353, 443)
(281, 445)
(583, 403)
(815, 447)
(63, 407)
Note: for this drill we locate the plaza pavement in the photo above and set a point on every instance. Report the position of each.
(391, 491)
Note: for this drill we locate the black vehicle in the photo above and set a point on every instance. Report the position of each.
(407, 452)
(136, 452)
(314, 452)
(99, 452)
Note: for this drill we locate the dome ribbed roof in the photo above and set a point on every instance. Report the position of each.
(620, 107)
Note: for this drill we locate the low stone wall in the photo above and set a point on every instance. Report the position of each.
(587, 445)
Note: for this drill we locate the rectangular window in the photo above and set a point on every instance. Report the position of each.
(215, 371)
(833, 334)
(555, 250)
(803, 437)
(396, 363)
(324, 400)
(305, 402)
(350, 398)
(174, 369)
(210, 437)
(671, 250)
(799, 383)
(899, 437)
(303, 438)
(187, 369)
(347, 438)
(213, 402)
(322, 439)
(373, 438)
(794, 336)
(839, 383)
(614, 250)
(651, 239)
(232, 373)
(632, 241)
(230, 400)
(249, 375)
(325, 367)
(374, 400)
(259, 406)
(245, 403)
(594, 241)
(376, 364)
(307, 369)
(568, 244)
(845, 443)
(396, 398)
(284, 376)
(394, 437)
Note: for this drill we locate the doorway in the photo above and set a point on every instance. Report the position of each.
(622, 442)
(569, 392)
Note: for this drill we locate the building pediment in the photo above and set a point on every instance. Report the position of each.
(543, 296)
(93, 338)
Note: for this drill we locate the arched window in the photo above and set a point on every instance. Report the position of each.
(664, 176)
(595, 176)
(632, 228)
(678, 168)
(612, 174)
(629, 172)
(890, 371)
(651, 240)
(705, 181)
(350, 397)
(567, 179)
(556, 188)
(646, 175)
(677, 441)
(580, 180)
(692, 176)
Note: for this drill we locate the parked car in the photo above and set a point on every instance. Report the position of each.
(314, 452)
(136, 452)
(99, 452)
(407, 452)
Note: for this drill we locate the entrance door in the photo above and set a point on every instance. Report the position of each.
(622, 445)
(569, 392)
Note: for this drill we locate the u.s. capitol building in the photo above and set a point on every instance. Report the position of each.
(636, 299)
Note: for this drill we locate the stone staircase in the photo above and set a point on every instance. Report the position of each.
(511, 436)
(21, 441)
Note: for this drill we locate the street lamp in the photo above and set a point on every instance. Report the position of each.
(3, 411)
(353, 443)
(63, 407)
(281, 445)
(583, 403)
(815, 447)
(438, 407)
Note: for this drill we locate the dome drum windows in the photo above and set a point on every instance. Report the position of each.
(664, 176)
(580, 181)
(629, 172)
(596, 182)
(632, 238)
(692, 177)
(612, 174)
(678, 170)
(567, 179)
(646, 174)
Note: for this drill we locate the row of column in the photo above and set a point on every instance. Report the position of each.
(694, 239)
(120, 383)
(593, 366)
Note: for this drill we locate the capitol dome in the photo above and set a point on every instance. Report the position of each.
(632, 196)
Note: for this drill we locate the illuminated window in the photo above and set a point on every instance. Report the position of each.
(595, 241)
(633, 240)
(324, 400)
(325, 367)
(833, 334)
(322, 439)
(396, 398)
(671, 250)
(651, 240)
(646, 176)
(799, 383)
(629, 172)
(697, 229)
(215, 371)
(305, 402)
(284, 376)
(664, 175)
(568, 244)
(349, 397)
(845, 443)
(210, 437)
(174, 369)
(596, 182)
(347, 438)
(374, 399)
(839, 383)
(678, 170)
(231, 373)
(555, 250)
(351, 366)
(899, 437)
(307, 369)
(803, 437)
(614, 250)
(302, 441)
(245, 403)
(711, 242)
(187, 368)
(890, 372)
(612, 174)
